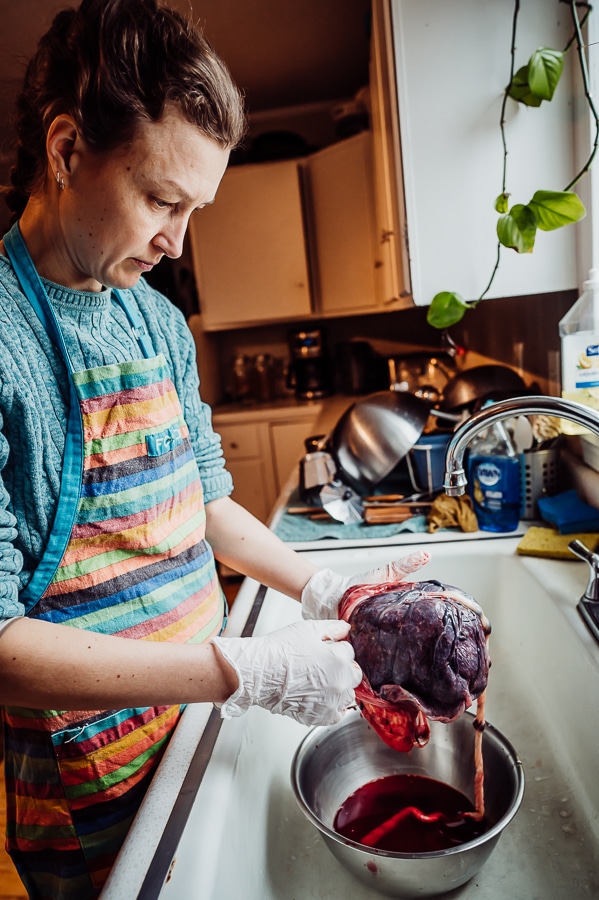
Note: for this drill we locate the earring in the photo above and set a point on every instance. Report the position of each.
(60, 181)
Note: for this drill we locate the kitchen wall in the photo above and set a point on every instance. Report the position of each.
(520, 331)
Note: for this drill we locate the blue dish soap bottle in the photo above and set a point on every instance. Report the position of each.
(494, 480)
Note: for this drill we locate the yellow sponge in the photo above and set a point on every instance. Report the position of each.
(548, 542)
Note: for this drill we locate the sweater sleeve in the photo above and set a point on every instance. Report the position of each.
(11, 560)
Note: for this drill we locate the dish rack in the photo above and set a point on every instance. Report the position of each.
(540, 478)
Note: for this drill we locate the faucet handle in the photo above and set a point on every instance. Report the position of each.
(582, 551)
(588, 605)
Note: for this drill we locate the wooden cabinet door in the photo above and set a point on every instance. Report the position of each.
(343, 226)
(249, 249)
(247, 450)
(287, 441)
(393, 263)
(253, 485)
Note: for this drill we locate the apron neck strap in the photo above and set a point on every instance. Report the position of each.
(138, 326)
(35, 292)
(33, 288)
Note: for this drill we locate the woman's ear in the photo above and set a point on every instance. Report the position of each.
(61, 141)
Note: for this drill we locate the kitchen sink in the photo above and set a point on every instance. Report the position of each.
(246, 837)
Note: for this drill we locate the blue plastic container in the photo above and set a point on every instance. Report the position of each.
(426, 461)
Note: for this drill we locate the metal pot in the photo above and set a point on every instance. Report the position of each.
(465, 388)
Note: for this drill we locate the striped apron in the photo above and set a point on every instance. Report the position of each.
(127, 557)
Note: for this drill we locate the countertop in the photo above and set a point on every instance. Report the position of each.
(285, 408)
(327, 411)
(334, 536)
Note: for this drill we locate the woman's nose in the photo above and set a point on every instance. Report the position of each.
(170, 238)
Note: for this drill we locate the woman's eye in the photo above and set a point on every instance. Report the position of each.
(162, 204)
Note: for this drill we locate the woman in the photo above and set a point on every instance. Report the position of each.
(114, 498)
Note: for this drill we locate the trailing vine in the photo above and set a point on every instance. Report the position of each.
(517, 225)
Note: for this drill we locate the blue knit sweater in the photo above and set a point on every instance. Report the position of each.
(34, 398)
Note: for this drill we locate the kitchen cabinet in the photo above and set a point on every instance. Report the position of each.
(452, 62)
(423, 210)
(293, 240)
(262, 447)
(342, 229)
(249, 460)
(318, 237)
(249, 248)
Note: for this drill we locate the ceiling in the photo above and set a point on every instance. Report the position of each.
(280, 52)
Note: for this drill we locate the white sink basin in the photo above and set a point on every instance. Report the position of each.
(246, 837)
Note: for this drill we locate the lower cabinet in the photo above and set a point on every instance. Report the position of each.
(262, 448)
(249, 460)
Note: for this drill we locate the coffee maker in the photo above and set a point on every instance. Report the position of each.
(309, 368)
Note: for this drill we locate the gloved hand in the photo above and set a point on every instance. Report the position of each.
(322, 593)
(304, 670)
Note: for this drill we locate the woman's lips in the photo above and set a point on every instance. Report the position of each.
(144, 266)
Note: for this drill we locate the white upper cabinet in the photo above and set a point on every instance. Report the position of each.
(343, 227)
(249, 248)
(453, 62)
(294, 240)
(317, 237)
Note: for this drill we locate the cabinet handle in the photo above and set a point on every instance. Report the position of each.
(233, 445)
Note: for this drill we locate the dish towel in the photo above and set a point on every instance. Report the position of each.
(301, 528)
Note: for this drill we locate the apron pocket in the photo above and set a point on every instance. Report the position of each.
(106, 762)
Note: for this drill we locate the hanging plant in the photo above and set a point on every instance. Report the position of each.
(518, 225)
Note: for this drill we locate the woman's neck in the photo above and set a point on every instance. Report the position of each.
(41, 230)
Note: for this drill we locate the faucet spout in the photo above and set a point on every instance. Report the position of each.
(455, 477)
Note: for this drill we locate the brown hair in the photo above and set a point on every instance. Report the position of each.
(111, 64)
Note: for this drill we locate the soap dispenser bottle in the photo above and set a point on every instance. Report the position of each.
(494, 479)
(579, 333)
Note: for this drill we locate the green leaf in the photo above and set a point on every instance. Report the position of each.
(519, 89)
(545, 67)
(517, 229)
(554, 209)
(502, 204)
(446, 309)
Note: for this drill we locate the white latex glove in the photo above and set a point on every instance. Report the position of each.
(304, 670)
(322, 593)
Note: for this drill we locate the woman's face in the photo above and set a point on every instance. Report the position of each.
(122, 211)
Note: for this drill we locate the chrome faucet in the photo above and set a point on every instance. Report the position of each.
(455, 478)
(588, 605)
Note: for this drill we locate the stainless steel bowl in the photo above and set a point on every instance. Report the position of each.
(332, 762)
(374, 434)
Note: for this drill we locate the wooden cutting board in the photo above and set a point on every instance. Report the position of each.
(396, 512)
